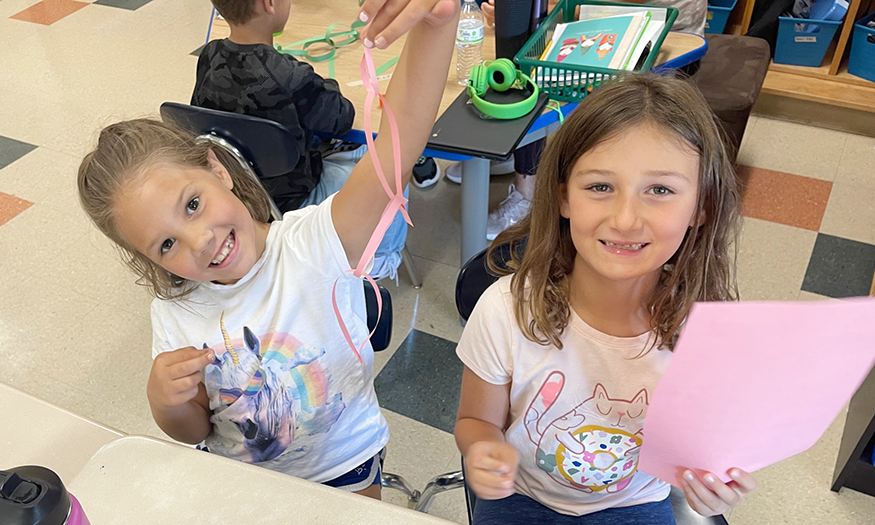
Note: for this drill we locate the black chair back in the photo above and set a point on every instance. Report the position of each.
(475, 277)
(383, 333)
(270, 148)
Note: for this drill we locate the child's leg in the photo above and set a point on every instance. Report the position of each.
(334, 176)
(519, 509)
(335, 172)
(388, 255)
(374, 491)
(525, 164)
(513, 510)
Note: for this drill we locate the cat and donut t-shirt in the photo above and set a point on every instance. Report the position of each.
(576, 414)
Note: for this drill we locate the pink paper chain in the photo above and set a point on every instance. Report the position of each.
(397, 201)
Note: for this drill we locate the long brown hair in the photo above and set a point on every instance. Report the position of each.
(126, 151)
(702, 269)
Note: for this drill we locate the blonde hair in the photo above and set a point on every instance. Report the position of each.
(701, 269)
(126, 151)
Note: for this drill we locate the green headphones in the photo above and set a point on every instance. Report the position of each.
(500, 75)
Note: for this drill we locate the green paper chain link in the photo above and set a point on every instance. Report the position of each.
(348, 37)
(328, 39)
(554, 105)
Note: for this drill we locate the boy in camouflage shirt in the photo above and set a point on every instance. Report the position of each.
(245, 74)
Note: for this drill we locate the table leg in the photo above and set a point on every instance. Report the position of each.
(475, 206)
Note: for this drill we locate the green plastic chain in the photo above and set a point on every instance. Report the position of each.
(554, 105)
(333, 40)
(348, 37)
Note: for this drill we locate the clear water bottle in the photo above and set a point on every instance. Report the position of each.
(469, 40)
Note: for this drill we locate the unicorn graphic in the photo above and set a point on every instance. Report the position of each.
(594, 447)
(259, 395)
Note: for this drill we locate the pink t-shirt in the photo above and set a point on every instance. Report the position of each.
(576, 414)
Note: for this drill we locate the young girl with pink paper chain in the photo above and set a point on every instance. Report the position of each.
(248, 354)
(634, 219)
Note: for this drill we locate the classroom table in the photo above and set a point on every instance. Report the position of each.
(311, 18)
(140, 480)
(36, 432)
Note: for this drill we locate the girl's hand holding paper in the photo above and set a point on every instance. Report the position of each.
(711, 497)
(751, 384)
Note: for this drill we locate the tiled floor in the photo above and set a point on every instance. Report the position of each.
(74, 328)
(48, 12)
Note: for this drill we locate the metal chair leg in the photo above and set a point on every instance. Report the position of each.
(394, 481)
(437, 485)
(411, 270)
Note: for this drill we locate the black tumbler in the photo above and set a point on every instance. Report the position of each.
(512, 24)
(539, 13)
(36, 496)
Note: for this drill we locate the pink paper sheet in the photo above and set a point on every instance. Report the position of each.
(751, 384)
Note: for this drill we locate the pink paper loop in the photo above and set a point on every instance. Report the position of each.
(397, 201)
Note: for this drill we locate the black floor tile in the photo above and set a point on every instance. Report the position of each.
(840, 267)
(422, 380)
(130, 5)
(12, 150)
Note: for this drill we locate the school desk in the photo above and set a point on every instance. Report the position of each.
(140, 480)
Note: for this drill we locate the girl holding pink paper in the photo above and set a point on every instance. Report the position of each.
(635, 215)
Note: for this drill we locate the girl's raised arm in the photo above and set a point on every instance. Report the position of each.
(414, 94)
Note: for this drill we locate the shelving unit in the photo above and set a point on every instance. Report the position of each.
(854, 468)
(830, 83)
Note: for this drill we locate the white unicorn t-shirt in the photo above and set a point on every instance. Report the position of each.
(576, 414)
(286, 390)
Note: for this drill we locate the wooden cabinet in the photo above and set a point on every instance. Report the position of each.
(828, 84)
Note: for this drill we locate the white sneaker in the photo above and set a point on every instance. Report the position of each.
(501, 167)
(496, 167)
(453, 172)
(511, 211)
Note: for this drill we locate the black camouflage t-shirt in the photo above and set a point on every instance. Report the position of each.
(257, 80)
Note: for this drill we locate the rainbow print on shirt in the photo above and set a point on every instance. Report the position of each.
(273, 389)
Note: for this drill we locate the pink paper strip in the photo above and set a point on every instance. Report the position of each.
(751, 384)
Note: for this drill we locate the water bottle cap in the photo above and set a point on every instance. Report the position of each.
(32, 495)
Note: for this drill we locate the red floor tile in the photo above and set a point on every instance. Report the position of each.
(10, 206)
(784, 198)
(48, 12)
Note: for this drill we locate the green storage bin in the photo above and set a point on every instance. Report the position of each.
(573, 82)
